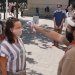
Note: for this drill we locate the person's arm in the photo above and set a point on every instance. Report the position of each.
(63, 20)
(54, 15)
(3, 63)
(54, 21)
(49, 33)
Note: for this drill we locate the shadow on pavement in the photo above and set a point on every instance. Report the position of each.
(32, 72)
(28, 36)
(31, 60)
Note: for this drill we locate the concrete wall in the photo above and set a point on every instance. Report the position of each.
(43, 3)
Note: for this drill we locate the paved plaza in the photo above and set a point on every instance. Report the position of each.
(40, 59)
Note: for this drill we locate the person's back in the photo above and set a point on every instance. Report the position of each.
(67, 63)
(37, 11)
(47, 9)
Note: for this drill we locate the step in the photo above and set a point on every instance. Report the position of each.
(32, 12)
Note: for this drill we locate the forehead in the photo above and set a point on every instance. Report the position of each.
(58, 5)
(17, 24)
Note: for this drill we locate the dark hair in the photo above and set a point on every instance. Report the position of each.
(10, 24)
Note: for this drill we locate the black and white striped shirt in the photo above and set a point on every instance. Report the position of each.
(12, 52)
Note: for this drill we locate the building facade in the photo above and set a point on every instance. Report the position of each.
(43, 3)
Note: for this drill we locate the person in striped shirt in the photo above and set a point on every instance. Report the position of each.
(12, 50)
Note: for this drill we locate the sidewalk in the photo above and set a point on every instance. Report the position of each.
(40, 59)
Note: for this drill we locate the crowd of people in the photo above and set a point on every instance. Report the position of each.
(47, 11)
(12, 51)
(12, 8)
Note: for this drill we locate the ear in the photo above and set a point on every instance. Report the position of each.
(11, 29)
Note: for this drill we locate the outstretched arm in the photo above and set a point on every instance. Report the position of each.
(50, 34)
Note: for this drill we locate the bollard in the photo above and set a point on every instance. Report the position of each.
(36, 19)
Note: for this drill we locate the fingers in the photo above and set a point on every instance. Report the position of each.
(33, 28)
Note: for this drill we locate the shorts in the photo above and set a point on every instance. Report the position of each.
(58, 30)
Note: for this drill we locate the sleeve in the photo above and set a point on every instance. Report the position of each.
(68, 67)
(54, 14)
(4, 51)
(64, 40)
(64, 15)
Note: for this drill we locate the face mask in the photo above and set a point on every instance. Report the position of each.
(17, 32)
(58, 9)
(69, 36)
(69, 10)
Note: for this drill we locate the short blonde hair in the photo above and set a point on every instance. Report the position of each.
(59, 4)
(70, 8)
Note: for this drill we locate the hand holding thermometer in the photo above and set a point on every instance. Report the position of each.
(30, 23)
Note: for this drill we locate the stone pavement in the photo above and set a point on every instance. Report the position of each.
(40, 59)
